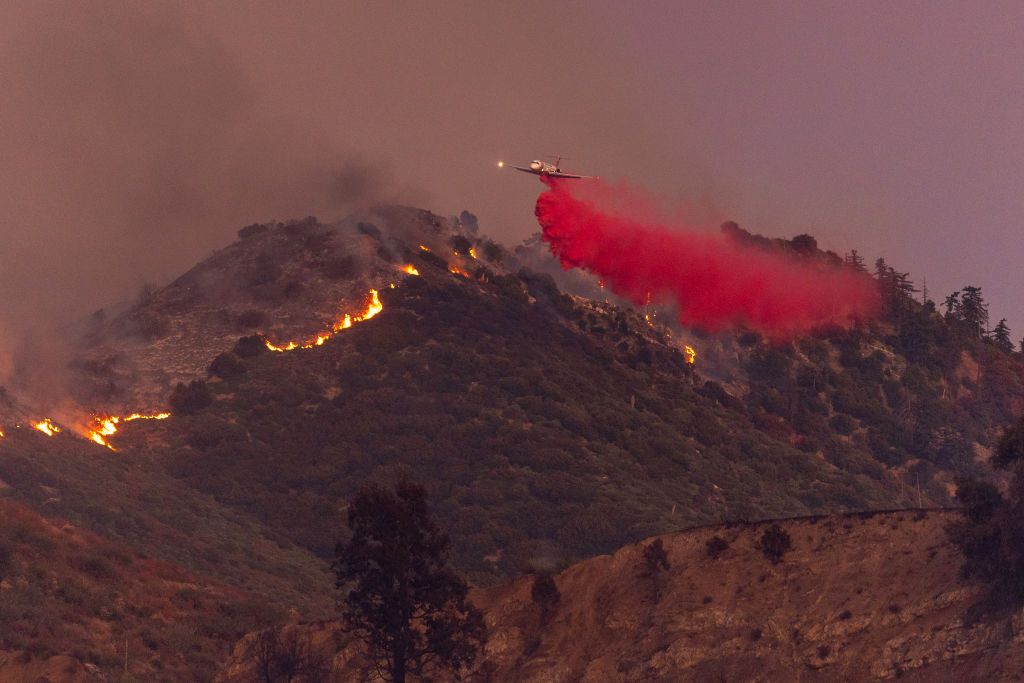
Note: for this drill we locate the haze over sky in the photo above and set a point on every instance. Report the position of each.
(135, 139)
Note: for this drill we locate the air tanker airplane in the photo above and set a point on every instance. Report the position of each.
(544, 169)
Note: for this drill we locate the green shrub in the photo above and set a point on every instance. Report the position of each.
(715, 546)
(226, 365)
(191, 398)
(248, 347)
(775, 542)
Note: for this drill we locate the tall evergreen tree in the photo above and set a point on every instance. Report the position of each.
(1001, 336)
(855, 261)
(402, 600)
(952, 304)
(973, 310)
(901, 293)
(881, 268)
(991, 534)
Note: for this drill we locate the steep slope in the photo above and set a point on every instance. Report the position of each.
(859, 597)
(75, 606)
(285, 280)
(545, 429)
(99, 547)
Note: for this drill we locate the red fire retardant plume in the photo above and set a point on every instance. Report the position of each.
(715, 281)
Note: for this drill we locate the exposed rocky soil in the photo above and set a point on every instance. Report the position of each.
(870, 597)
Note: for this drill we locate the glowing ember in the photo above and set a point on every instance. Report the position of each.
(373, 307)
(425, 248)
(47, 427)
(691, 355)
(410, 269)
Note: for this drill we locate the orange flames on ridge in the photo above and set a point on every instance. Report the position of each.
(98, 428)
(102, 427)
(373, 307)
(690, 353)
(46, 426)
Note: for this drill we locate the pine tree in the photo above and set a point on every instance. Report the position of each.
(902, 291)
(654, 563)
(402, 600)
(855, 261)
(1001, 336)
(973, 311)
(881, 268)
(545, 594)
(990, 535)
(952, 304)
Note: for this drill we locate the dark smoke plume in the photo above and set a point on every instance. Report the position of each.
(714, 281)
(134, 140)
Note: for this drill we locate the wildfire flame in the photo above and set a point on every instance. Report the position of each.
(410, 269)
(455, 270)
(373, 307)
(472, 252)
(103, 426)
(425, 248)
(46, 426)
(690, 353)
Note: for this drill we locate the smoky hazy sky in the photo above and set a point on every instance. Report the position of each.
(137, 137)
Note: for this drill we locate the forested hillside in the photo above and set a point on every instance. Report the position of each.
(547, 426)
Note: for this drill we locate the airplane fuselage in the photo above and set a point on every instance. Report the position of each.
(543, 168)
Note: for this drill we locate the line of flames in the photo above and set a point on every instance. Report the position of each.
(103, 426)
(99, 427)
(346, 321)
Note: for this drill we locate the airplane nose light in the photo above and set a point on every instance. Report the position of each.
(501, 164)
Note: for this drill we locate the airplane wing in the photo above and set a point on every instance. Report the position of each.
(545, 174)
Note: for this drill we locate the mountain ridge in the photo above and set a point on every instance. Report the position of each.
(549, 422)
